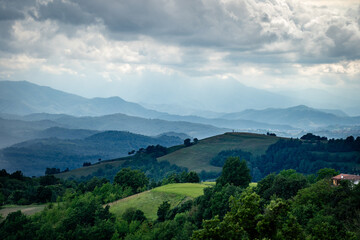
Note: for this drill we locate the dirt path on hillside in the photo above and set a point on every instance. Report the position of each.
(27, 210)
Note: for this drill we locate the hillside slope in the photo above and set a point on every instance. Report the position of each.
(197, 157)
(149, 201)
(34, 156)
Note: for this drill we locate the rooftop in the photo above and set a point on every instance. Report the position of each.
(343, 176)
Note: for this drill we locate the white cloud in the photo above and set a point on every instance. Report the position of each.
(57, 70)
(20, 62)
(265, 44)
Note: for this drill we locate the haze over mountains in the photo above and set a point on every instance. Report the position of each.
(72, 111)
(43, 124)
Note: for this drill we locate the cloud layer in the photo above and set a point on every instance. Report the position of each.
(269, 44)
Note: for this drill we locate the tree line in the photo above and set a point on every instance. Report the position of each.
(306, 155)
(286, 205)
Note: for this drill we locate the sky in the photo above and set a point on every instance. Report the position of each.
(157, 51)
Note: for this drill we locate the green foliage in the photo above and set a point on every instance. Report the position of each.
(295, 209)
(193, 177)
(18, 189)
(134, 179)
(183, 177)
(163, 211)
(235, 172)
(273, 218)
(286, 184)
(132, 214)
(238, 223)
(326, 173)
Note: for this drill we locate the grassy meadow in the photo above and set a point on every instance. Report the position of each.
(149, 201)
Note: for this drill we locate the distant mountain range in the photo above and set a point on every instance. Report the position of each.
(42, 127)
(23, 98)
(33, 156)
(30, 103)
(302, 117)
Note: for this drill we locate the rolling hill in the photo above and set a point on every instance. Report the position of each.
(149, 201)
(264, 154)
(122, 122)
(14, 131)
(197, 157)
(34, 156)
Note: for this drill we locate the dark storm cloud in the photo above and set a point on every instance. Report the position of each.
(64, 11)
(10, 14)
(190, 23)
(250, 30)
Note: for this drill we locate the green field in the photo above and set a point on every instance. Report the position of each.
(26, 209)
(197, 157)
(149, 201)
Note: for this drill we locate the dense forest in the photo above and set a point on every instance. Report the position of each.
(306, 155)
(287, 205)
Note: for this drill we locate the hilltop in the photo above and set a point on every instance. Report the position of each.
(34, 156)
(197, 157)
(264, 154)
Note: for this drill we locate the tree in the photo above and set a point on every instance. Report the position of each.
(187, 142)
(193, 177)
(49, 171)
(163, 211)
(196, 140)
(131, 214)
(135, 179)
(326, 173)
(239, 223)
(235, 172)
(286, 184)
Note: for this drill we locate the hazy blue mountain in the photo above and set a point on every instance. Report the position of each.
(122, 122)
(24, 98)
(65, 133)
(182, 136)
(300, 116)
(14, 131)
(235, 124)
(33, 156)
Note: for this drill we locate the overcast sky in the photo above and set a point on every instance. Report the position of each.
(132, 48)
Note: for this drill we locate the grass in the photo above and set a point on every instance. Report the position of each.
(26, 209)
(149, 201)
(192, 190)
(197, 157)
(253, 184)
